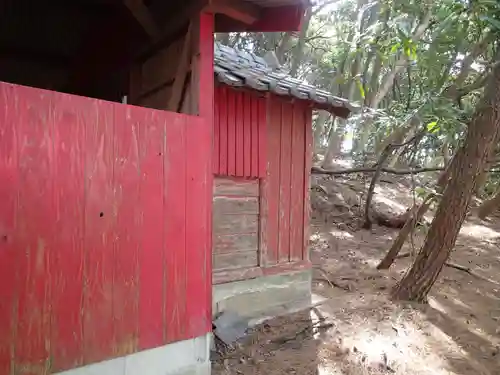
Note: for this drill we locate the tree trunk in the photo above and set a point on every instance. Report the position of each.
(442, 235)
(489, 206)
(334, 145)
(319, 129)
(298, 52)
(416, 214)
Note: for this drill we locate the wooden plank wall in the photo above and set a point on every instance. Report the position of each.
(239, 133)
(101, 242)
(285, 190)
(235, 223)
(284, 159)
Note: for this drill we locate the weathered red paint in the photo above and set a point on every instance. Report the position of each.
(9, 173)
(239, 134)
(273, 137)
(102, 206)
(308, 154)
(206, 99)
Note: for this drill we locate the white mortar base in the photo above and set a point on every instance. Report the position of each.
(188, 357)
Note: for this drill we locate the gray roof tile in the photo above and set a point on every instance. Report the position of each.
(242, 69)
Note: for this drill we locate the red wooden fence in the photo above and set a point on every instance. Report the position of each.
(104, 242)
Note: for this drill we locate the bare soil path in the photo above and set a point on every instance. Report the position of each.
(359, 330)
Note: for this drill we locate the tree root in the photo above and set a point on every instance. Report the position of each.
(332, 283)
(464, 269)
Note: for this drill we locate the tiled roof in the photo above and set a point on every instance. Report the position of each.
(242, 69)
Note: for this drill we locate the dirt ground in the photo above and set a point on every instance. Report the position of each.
(358, 330)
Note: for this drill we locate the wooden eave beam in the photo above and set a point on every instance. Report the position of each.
(141, 13)
(108, 46)
(238, 10)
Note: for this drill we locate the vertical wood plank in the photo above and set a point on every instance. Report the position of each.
(247, 135)
(128, 227)
(216, 151)
(297, 182)
(307, 180)
(231, 132)
(70, 121)
(272, 192)
(223, 128)
(98, 332)
(284, 182)
(206, 92)
(37, 218)
(152, 250)
(239, 120)
(175, 229)
(254, 132)
(9, 252)
(197, 234)
(264, 121)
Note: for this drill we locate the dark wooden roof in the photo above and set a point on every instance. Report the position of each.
(242, 69)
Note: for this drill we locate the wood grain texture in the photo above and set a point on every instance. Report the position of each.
(235, 223)
(67, 292)
(236, 205)
(298, 178)
(236, 187)
(241, 259)
(239, 141)
(282, 207)
(96, 229)
(285, 186)
(227, 243)
(206, 104)
(230, 275)
(9, 190)
(35, 229)
(231, 224)
(153, 248)
(308, 154)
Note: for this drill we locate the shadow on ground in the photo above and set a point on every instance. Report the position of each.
(456, 333)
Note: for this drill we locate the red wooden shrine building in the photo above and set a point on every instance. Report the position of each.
(106, 207)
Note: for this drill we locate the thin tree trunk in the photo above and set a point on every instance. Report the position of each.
(319, 130)
(402, 62)
(442, 235)
(415, 216)
(282, 47)
(298, 52)
(334, 144)
(489, 206)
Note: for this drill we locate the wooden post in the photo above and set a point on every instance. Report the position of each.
(205, 101)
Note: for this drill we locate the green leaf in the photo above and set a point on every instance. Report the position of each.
(492, 21)
(421, 192)
(432, 127)
(360, 87)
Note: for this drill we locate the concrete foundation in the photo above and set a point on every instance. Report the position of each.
(188, 357)
(268, 295)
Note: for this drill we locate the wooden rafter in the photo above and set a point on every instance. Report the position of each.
(141, 13)
(238, 10)
(182, 72)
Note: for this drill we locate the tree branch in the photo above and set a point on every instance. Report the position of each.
(398, 172)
